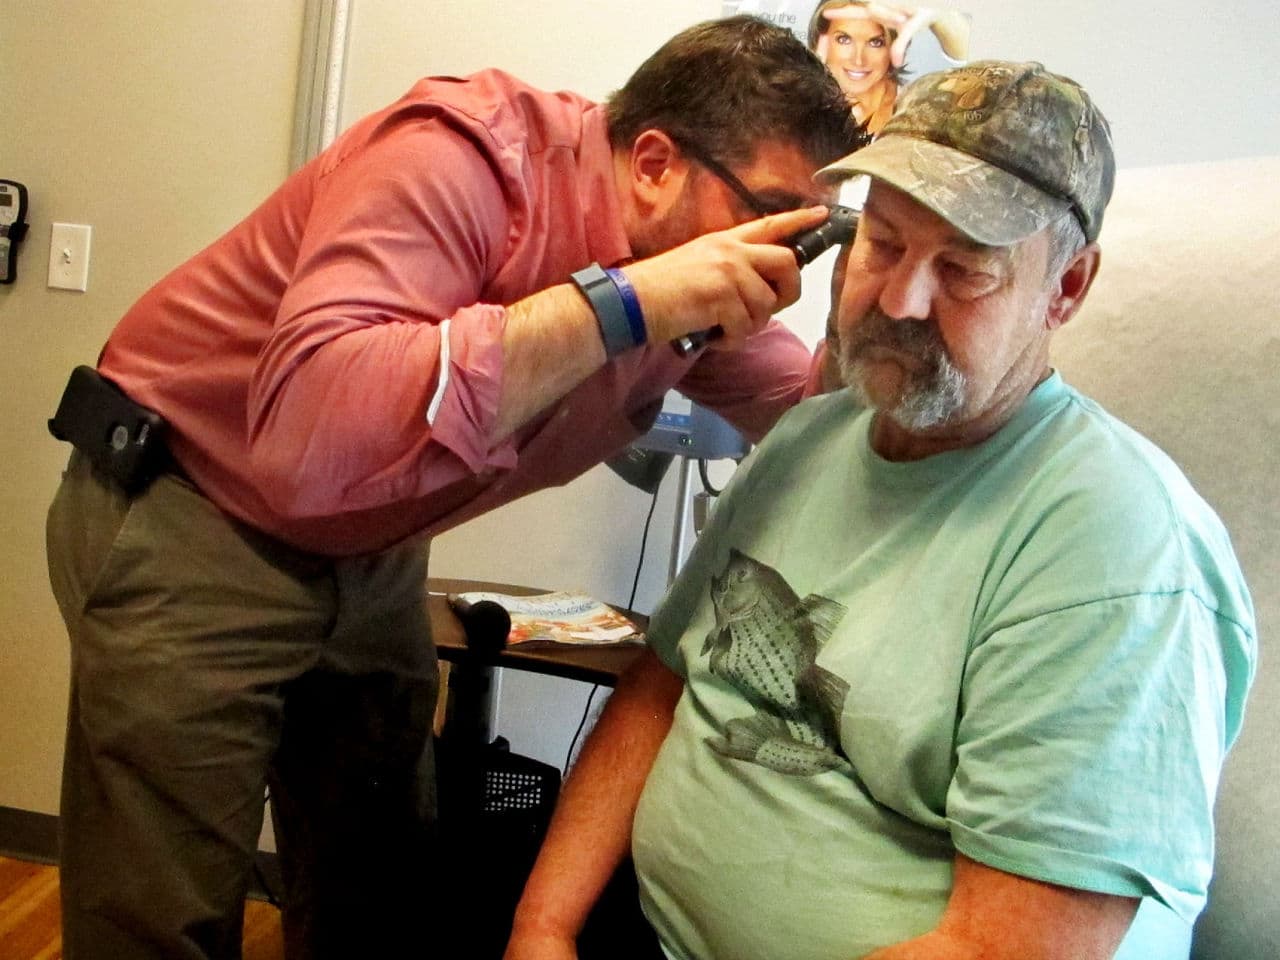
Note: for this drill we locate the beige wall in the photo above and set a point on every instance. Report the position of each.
(159, 123)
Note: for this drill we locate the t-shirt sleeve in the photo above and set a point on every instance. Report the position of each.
(1090, 743)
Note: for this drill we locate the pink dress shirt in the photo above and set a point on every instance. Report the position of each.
(298, 358)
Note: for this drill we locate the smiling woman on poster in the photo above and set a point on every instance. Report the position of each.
(856, 50)
(865, 46)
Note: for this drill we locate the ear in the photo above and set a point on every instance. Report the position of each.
(657, 170)
(1067, 293)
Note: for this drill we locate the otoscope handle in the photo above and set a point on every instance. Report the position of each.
(696, 340)
(807, 245)
(838, 228)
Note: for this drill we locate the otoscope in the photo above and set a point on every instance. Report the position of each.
(807, 245)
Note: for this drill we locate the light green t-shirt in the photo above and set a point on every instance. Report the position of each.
(1034, 651)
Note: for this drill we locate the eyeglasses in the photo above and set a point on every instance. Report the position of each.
(725, 176)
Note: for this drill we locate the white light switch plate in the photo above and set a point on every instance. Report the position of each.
(69, 256)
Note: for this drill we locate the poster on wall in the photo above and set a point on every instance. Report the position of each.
(872, 49)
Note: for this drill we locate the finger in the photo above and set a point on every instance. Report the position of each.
(920, 20)
(777, 266)
(772, 285)
(785, 284)
(952, 31)
(898, 50)
(889, 16)
(857, 12)
(753, 301)
(779, 226)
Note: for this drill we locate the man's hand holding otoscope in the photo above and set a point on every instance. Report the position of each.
(735, 279)
(806, 246)
(725, 284)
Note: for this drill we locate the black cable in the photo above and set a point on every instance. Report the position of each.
(644, 539)
(706, 477)
(586, 711)
(706, 480)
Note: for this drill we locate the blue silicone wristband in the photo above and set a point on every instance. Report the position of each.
(607, 304)
(635, 316)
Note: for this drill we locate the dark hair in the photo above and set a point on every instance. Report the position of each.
(728, 86)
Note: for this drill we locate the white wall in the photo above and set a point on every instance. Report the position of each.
(161, 122)
(1180, 81)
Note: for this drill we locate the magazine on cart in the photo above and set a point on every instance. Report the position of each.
(562, 618)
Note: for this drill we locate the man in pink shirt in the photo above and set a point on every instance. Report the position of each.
(471, 295)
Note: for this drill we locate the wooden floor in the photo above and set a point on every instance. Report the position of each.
(30, 919)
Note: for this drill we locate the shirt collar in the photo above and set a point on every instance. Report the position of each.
(598, 193)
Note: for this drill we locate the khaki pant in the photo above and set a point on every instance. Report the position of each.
(208, 662)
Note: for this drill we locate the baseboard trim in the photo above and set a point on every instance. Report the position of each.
(27, 835)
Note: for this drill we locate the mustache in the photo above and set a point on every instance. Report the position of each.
(918, 338)
(931, 393)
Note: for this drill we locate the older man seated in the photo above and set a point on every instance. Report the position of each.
(954, 669)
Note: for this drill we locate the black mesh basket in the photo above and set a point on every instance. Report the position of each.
(516, 785)
(494, 808)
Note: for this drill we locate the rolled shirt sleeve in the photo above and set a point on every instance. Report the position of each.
(340, 393)
(754, 385)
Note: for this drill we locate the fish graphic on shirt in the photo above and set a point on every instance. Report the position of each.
(766, 642)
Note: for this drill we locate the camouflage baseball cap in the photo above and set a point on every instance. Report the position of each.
(997, 149)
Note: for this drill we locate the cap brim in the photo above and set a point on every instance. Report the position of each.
(987, 204)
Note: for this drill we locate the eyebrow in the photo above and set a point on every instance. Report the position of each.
(959, 240)
(778, 200)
